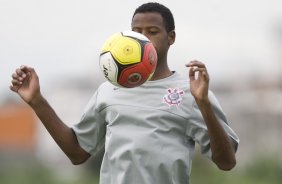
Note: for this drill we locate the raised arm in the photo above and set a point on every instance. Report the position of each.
(222, 147)
(25, 82)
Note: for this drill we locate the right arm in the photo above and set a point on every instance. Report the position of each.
(25, 82)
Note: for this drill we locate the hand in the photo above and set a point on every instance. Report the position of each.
(199, 85)
(25, 82)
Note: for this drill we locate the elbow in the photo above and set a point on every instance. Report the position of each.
(225, 165)
(78, 159)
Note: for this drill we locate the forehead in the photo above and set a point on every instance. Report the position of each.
(148, 19)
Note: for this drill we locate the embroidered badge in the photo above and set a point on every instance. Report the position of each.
(173, 97)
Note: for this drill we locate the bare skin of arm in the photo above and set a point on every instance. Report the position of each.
(222, 147)
(25, 82)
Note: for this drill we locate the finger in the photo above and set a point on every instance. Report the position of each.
(14, 88)
(16, 85)
(20, 72)
(15, 76)
(16, 82)
(197, 66)
(202, 73)
(24, 70)
(196, 63)
(30, 72)
(196, 69)
(27, 69)
(19, 75)
(191, 74)
(23, 73)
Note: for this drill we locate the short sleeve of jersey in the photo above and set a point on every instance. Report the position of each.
(90, 131)
(198, 129)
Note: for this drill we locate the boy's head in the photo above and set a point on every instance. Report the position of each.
(156, 22)
(153, 7)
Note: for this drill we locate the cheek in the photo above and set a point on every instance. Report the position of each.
(156, 46)
(160, 47)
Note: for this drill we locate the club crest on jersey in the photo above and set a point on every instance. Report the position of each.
(173, 96)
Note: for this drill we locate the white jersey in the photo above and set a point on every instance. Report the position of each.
(149, 132)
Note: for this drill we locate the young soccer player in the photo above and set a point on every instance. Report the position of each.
(148, 132)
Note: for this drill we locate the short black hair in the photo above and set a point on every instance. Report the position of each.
(155, 7)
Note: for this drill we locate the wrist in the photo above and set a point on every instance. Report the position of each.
(202, 102)
(36, 101)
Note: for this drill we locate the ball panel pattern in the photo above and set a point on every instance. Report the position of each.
(111, 42)
(133, 76)
(150, 57)
(109, 67)
(128, 59)
(127, 51)
(135, 35)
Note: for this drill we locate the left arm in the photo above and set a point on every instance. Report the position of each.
(222, 147)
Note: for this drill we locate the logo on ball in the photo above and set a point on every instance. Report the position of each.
(134, 78)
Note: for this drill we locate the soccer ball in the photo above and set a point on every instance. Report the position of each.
(128, 59)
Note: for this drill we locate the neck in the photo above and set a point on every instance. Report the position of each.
(161, 72)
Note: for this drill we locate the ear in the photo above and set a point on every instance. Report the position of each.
(171, 37)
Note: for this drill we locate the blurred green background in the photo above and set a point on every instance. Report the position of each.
(261, 170)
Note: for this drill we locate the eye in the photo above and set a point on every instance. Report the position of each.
(136, 30)
(153, 32)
